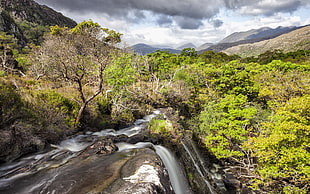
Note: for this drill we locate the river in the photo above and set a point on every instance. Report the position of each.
(55, 170)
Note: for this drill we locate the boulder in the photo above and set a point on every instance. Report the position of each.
(144, 173)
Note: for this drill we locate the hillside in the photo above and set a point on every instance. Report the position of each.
(204, 46)
(292, 41)
(248, 37)
(188, 45)
(256, 33)
(28, 20)
(33, 12)
(143, 49)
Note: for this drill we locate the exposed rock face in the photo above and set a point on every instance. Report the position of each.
(33, 12)
(96, 169)
(16, 15)
(7, 24)
(144, 174)
(102, 147)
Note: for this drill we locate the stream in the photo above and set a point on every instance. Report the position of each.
(59, 170)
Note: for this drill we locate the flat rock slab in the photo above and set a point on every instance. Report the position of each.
(131, 171)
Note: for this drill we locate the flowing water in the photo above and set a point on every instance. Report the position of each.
(54, 171)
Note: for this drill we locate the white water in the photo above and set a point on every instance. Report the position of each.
(70, 148)
(198, 169)
(177, 178)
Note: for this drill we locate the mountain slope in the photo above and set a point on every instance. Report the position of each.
(8, 25)
(247, 37)
(143, 49)
(256, 33)
(292, 41)
(204, 46)
(27, 21)
(33, 12)
(187, 45)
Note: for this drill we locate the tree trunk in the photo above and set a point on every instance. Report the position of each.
(80, 114)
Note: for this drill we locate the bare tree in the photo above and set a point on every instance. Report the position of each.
(78, 56)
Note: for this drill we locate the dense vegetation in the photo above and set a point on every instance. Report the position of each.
(251, 113)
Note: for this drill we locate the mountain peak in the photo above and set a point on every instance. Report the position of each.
(187, 45)
(256, 33)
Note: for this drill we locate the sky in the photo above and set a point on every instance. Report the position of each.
(176, 22)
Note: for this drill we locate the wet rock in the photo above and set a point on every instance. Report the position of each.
(101, 147)
(131, 171)
(144, 173)
(231, 182)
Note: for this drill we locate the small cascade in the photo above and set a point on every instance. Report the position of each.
(43, 172)
(177, 178)
(211, 190)
(199, 164)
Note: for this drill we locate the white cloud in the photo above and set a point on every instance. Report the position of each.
(161, 22)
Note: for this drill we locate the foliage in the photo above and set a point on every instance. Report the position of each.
(58, 106)
(282, 147)
(162, 127)
(120, 73)
(293, 56)
(33, 32)
(236, 78)
(253, 112)
(10, 104)
(79, 56)
(282, 81)
(225, 125)
(190, 52)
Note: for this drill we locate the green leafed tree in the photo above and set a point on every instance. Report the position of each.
(225, 125)
(283, 148)
(78, 56)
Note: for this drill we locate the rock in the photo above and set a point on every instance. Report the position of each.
(144, 173)
(132, 171)
(101, 147)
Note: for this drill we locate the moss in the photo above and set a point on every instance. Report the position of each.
(162, 127)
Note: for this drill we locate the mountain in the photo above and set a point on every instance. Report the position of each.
(143, 49)
(29, 10)
(204, 46)
(291, 41)
(256, 34)
(250, 36)
(188, 45)
(8, 25)
(27, 20)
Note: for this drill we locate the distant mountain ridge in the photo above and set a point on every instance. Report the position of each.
(256, 34)
(248, 37)
(187, 45)
(143, 49)
(233, 40)
(298, 39)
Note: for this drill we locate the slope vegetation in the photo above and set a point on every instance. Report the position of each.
(296, 40)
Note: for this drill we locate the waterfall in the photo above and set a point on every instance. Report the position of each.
(178, 180)
(45, 168)
(198, 168)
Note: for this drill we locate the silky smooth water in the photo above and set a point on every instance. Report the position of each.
(53, 171)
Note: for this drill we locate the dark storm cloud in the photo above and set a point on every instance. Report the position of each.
(186, 13)
(188, 23)
(164, 20)
(265, 7)
(217, 23)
